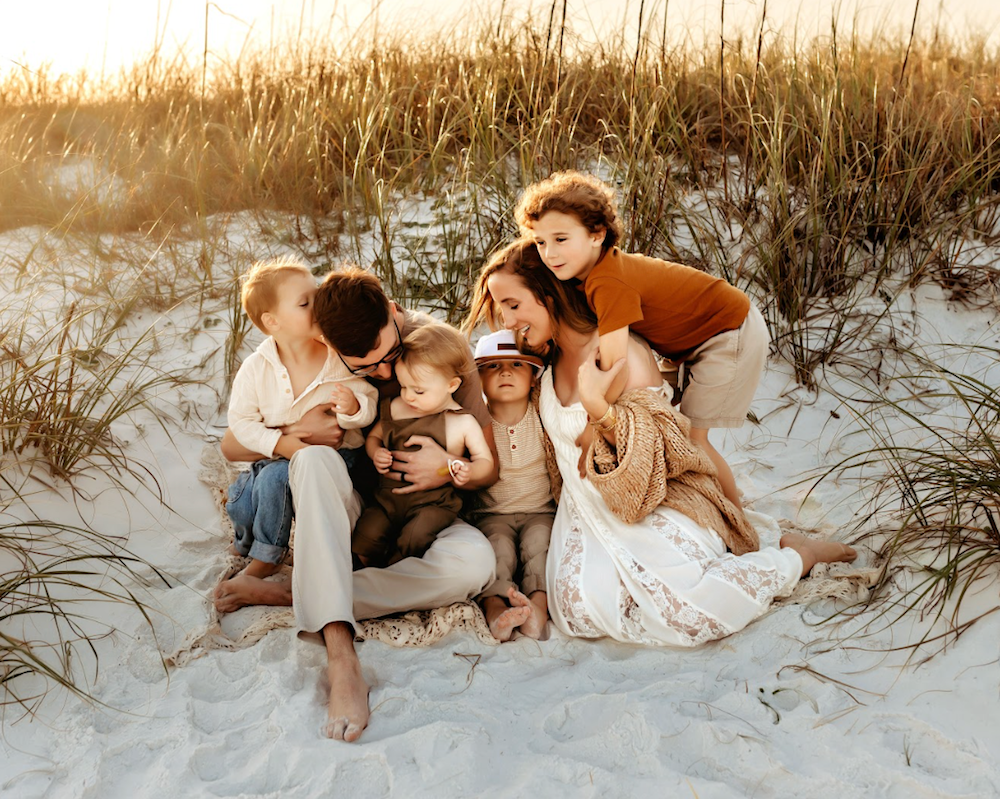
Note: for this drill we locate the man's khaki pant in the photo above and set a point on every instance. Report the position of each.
(458, 565)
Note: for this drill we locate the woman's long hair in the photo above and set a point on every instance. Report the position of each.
(566, 304)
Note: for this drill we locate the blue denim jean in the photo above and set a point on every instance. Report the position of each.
(260, 508)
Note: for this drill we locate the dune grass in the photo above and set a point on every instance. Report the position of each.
(792, 167)
(77, 376)
(54, 576)
(931, 493)
(813, 174)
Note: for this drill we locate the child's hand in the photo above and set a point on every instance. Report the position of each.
(344, 401)
(584, 441)
(459, 471)
(593, 382)
(382, 460)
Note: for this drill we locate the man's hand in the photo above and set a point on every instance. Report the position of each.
(424, 468)
(318, 426)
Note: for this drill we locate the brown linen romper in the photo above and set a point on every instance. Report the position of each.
(400, 526)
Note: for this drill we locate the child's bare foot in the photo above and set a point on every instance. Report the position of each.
(813, 551)
(347, 712)
(243, 590)
(502, 619)
(534, 625)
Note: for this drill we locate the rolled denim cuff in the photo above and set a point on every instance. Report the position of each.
(268, 553)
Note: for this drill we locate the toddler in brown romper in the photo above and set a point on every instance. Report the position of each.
(433, 360)
(400, 525)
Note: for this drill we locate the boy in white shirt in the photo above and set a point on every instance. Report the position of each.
(291, 372)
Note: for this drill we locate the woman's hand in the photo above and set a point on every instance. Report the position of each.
(593, 383)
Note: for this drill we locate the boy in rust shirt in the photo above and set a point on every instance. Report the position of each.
(714, 341)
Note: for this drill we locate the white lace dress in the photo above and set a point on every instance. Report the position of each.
(665, 580)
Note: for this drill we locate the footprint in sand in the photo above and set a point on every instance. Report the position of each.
(368, 777)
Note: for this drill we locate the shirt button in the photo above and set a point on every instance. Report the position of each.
(511, 431)
(513, 446)
(284, 376)
(288, 391)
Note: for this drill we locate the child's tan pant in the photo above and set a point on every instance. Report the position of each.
(503, 532)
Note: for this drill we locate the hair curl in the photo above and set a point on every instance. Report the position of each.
(259, 286)
(583, 196)
(439, 347)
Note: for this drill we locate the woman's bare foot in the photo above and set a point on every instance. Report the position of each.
(503, 619)
(534, 626)
(243, 590)
(347, 712)
(813, 551)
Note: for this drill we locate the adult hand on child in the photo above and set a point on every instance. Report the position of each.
(382, 460)
(344, 401)
(318, 426)
(424, 468)
(583, 441)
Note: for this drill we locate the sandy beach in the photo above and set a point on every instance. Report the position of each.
(796, 705)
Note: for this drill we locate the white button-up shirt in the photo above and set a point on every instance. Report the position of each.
(262, 401)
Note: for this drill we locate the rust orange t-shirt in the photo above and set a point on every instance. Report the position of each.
(676, 308)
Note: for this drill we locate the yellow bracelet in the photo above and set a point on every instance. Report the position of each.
(449, 470)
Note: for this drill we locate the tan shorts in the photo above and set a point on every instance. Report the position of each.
(717, 382)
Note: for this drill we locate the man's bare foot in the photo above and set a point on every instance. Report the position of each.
(243, 590)
(503, 619)
(813, 551)
(347, 712)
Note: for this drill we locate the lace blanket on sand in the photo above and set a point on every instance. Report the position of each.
(248, 625)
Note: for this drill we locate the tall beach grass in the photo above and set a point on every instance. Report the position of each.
(786, 165)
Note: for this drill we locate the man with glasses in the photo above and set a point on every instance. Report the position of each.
(367, 329)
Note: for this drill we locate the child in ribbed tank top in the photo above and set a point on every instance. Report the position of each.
(516, 513)
(714, 341)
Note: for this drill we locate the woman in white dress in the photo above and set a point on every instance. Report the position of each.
(664, 579)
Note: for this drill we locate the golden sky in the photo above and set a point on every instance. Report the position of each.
(106, 34)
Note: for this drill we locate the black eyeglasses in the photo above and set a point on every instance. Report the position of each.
(390, 357)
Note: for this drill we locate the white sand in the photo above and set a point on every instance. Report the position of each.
(781, 709)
